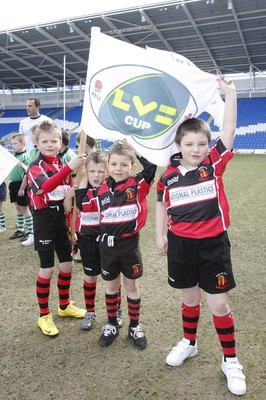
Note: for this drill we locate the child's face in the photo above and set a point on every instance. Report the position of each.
(17, 146)
(49, 144)
(194, 148)
(96, 173)
(120, 167)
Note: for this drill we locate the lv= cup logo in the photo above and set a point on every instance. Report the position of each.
(144, 106)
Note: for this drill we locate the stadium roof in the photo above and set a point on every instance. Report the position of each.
(228, 36)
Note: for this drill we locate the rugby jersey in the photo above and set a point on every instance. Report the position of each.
(88, 218)
(50, 175)
(123, 205)
(196, 202)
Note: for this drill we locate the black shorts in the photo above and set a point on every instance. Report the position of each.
(123, 257)
(206, 262)
(13, 193)
(3, 191)
(47, 258)
(90, 255)
(51, 235)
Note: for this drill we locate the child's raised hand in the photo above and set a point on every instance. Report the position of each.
(77, 161)
(130, 146)
(226, 84)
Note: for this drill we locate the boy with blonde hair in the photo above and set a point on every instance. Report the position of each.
(48, 182)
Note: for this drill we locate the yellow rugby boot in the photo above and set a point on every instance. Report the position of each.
(47, 326)
(72, 311)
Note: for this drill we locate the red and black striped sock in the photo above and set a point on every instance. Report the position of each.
(226, 332)
(63, 285)
(111, 301)
(42, 292)
(89, 295)
(190, 318)
(133, 311)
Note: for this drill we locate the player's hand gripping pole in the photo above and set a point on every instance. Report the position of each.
(81, 148)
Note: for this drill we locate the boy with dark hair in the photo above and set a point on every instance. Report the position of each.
(192, 199)
(48, 183)
(90, 143)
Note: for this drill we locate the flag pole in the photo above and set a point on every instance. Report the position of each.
(82, 147)
(81, 150)
(64, 91)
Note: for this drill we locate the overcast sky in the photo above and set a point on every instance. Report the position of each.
(19, 13)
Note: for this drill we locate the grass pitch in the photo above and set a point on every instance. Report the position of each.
(73, 366)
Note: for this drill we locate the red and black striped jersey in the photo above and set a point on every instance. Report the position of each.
(197, 206)
(51, 176)
(88, 219)
(123, 205)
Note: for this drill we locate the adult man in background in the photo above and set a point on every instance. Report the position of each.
(33, 106)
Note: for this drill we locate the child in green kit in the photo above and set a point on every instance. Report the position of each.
(2, 213)
(17, 196)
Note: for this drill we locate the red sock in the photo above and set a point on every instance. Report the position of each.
(190, 318)
(89, 295)
(63, 284)
(225, 329)
(42, 292)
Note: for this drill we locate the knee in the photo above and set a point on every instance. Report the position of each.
(191, 297)
(46, 273)
(132, 289)
(67, 266)
(220, 308)
(112, 287)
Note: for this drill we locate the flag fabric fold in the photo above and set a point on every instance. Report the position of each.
(7, 163)
(143, 95)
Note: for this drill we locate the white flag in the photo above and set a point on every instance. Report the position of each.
(143, 95)
(216, 105)
(7, 163)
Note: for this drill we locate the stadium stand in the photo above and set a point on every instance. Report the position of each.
(251, 124)
(250, 133)
(73, 114)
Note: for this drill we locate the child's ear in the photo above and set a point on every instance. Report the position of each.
(178, 148)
